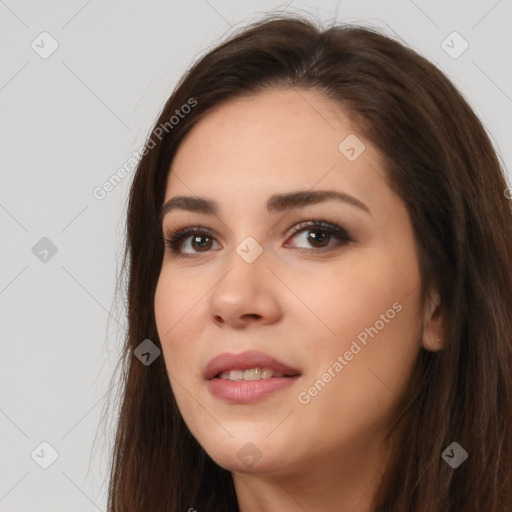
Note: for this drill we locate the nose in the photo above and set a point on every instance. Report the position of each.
(246, 294)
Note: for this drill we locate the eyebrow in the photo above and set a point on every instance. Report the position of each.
(276, 203)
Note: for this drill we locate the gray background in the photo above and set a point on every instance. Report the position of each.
(67, 123)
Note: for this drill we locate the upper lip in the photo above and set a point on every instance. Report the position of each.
(245, 361)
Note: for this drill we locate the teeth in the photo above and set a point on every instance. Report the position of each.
(252, 374)
(267, 373)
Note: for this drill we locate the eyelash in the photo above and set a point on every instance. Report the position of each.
(173, 238)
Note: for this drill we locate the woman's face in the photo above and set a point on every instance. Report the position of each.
(339, 309)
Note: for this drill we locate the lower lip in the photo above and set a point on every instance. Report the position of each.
(248, 391)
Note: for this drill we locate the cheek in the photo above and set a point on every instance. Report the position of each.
(176, 305)
(178, 296)
(352, 294)
(367, 309)
(176, 310)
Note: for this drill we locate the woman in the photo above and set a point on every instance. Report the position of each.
(320, 248)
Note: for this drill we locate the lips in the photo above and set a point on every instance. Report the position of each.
(228, 361)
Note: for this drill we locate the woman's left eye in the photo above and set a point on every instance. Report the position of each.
(319, 234)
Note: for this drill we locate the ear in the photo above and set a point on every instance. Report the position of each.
(432, 335)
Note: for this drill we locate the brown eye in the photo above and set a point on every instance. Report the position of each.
(319, 234)
(189, 241)
(201, 242)
(318, 238)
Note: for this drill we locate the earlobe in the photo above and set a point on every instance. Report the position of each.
(432, 336)
(432, 343)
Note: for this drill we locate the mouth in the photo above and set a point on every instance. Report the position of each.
(253, 374)
(247, 377)
(249, 366)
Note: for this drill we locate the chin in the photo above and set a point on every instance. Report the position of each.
(243, 453)
(247, 463)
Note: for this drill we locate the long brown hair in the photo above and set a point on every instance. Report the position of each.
(439, 159)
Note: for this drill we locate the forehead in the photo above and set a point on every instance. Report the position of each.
(273, 141)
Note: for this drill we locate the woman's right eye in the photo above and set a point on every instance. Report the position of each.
(200, 240)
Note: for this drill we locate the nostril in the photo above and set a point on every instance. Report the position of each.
(251, 315)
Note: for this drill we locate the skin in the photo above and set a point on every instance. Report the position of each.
(303, 308)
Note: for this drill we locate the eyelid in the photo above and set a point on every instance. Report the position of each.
(319, 224)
